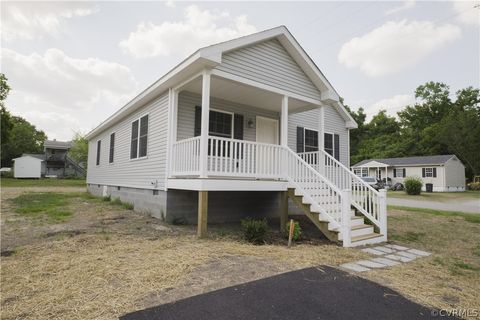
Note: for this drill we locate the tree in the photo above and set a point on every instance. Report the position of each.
(6, 121)
(79, 150)
(24, 138)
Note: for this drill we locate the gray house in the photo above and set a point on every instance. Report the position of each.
(237, 129)
(445, 173)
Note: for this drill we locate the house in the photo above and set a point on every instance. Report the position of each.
(57, 161)
(27, 166)
(442, 173)
(240, 128)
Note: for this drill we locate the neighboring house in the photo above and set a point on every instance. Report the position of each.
(236, 130)
(27, 166)
(443, 172)
(57, 161)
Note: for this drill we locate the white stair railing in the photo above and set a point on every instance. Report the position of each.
(370, 202)
(324, 197)
(186, 157)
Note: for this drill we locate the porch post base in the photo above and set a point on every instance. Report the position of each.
(202, 213)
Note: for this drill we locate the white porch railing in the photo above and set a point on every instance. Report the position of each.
(368, 201)
(321, 193)
(228, 157)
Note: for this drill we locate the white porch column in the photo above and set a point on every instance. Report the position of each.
(284, 125)
(204, 123)
(172, 128)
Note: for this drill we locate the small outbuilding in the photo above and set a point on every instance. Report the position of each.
(27, 167)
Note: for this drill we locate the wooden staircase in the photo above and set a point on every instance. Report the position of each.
(360, 232)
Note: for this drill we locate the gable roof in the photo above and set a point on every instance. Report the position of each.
(410, 161)
(28, 156)
(211, 56)
(40, 156)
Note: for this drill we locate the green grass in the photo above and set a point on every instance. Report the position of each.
(118, 202)
(10, 182)
(470, 217)
(408, 236)
(53, 206)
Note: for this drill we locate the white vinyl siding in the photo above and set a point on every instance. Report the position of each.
(147, 172)
(269, 63)
(334, 123)
(186, 114)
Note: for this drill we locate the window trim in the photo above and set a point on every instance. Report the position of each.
(225, 112)
(431, 172)
(397, 170)
(362, 170)
(110, 147)
(138, 137)
(305, 136)
(98, 153)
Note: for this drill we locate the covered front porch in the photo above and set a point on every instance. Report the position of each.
(226, 128)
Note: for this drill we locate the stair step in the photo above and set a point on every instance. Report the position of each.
(366, 237)
(361, 226)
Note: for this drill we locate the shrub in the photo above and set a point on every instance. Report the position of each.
(106, 198)
(474, 186)
(297, 231)
(254, 231)
(413, 185)
(128, 205)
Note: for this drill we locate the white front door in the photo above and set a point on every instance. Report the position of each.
(267, 130)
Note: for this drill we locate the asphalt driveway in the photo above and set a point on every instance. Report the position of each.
(312, 293)
(463, 205)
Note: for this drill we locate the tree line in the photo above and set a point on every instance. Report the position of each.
(438, 123)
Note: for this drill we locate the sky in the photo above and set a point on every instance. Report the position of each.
(72, 64)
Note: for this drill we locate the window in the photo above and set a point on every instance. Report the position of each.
(361, 172)
(429, 172)
(332, 145)
(220, 124)
(311, 140)
(138, 144)
(399, 173)
(99, 145)
(112, 147)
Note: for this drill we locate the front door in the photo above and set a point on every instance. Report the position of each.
(267, 130)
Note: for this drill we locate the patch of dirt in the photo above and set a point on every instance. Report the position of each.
(218, 274)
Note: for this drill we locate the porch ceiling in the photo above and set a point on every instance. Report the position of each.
(241, 93)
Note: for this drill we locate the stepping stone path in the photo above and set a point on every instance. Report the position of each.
(386, 256)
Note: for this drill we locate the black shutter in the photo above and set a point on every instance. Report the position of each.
(423, 172)
(300, 139)
(198, 121)
(434, 172)
(394, 172)
(238, 126)
(336, 146)
(404, 172)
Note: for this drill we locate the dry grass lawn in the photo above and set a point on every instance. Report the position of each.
(450, 278)
(103, 260)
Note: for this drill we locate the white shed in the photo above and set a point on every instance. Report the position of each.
(27, 167)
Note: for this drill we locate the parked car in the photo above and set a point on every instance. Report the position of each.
(372, 182)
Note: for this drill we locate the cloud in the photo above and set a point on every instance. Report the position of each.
(392, 105)
(404, 6)
(466, 13)
(61, 94)
(199, 28)
(396, 46)
(170, 4)
(31, 20)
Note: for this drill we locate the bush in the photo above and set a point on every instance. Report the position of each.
(413, 185)
(254, 231)
(474, 186)
(297, 231)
